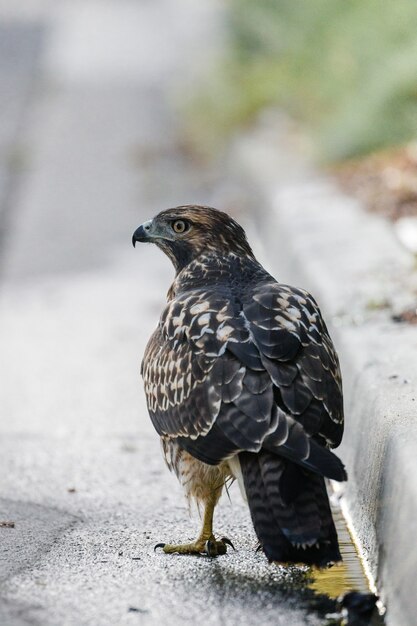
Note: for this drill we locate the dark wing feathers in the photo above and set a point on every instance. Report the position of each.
(224, 374)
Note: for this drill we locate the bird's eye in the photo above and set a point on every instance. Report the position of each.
(179, 226)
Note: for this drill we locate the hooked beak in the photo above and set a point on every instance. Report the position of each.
(142, 233)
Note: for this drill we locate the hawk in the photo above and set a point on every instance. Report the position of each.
(242, 381)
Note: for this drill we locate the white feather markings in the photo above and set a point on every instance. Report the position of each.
(204, 319)
(200, 307)
(234, 465)
(223, 333)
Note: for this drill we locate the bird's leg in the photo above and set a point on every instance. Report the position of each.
(206, 542)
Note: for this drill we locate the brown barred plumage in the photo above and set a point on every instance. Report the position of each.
(242, 379)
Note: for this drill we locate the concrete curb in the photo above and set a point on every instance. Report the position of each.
(315, 237)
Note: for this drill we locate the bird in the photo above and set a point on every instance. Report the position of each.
(242, 382)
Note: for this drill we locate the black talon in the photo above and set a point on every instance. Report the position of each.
(227, 541)
(258, 549)
(159, 545)
(211, 549)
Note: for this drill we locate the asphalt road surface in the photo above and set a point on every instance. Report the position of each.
(91, 146)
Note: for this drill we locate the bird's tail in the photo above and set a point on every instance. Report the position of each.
(290, 510)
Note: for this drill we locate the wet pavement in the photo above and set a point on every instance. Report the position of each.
(99, 151)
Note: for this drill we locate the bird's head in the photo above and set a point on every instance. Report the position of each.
(186, 232)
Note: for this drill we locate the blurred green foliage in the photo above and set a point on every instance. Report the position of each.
(347, 69)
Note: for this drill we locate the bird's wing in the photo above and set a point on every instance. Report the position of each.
(297, 352)
(186, 370)
(223, 376)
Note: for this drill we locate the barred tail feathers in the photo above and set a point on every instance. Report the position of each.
(290, 510)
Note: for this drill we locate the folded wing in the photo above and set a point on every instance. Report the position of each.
(224, 375)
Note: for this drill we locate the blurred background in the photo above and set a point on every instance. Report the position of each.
(345, 73)
(177, 82)
(345, 70)
(112, 110)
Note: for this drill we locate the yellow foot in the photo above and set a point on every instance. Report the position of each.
(211, 547)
